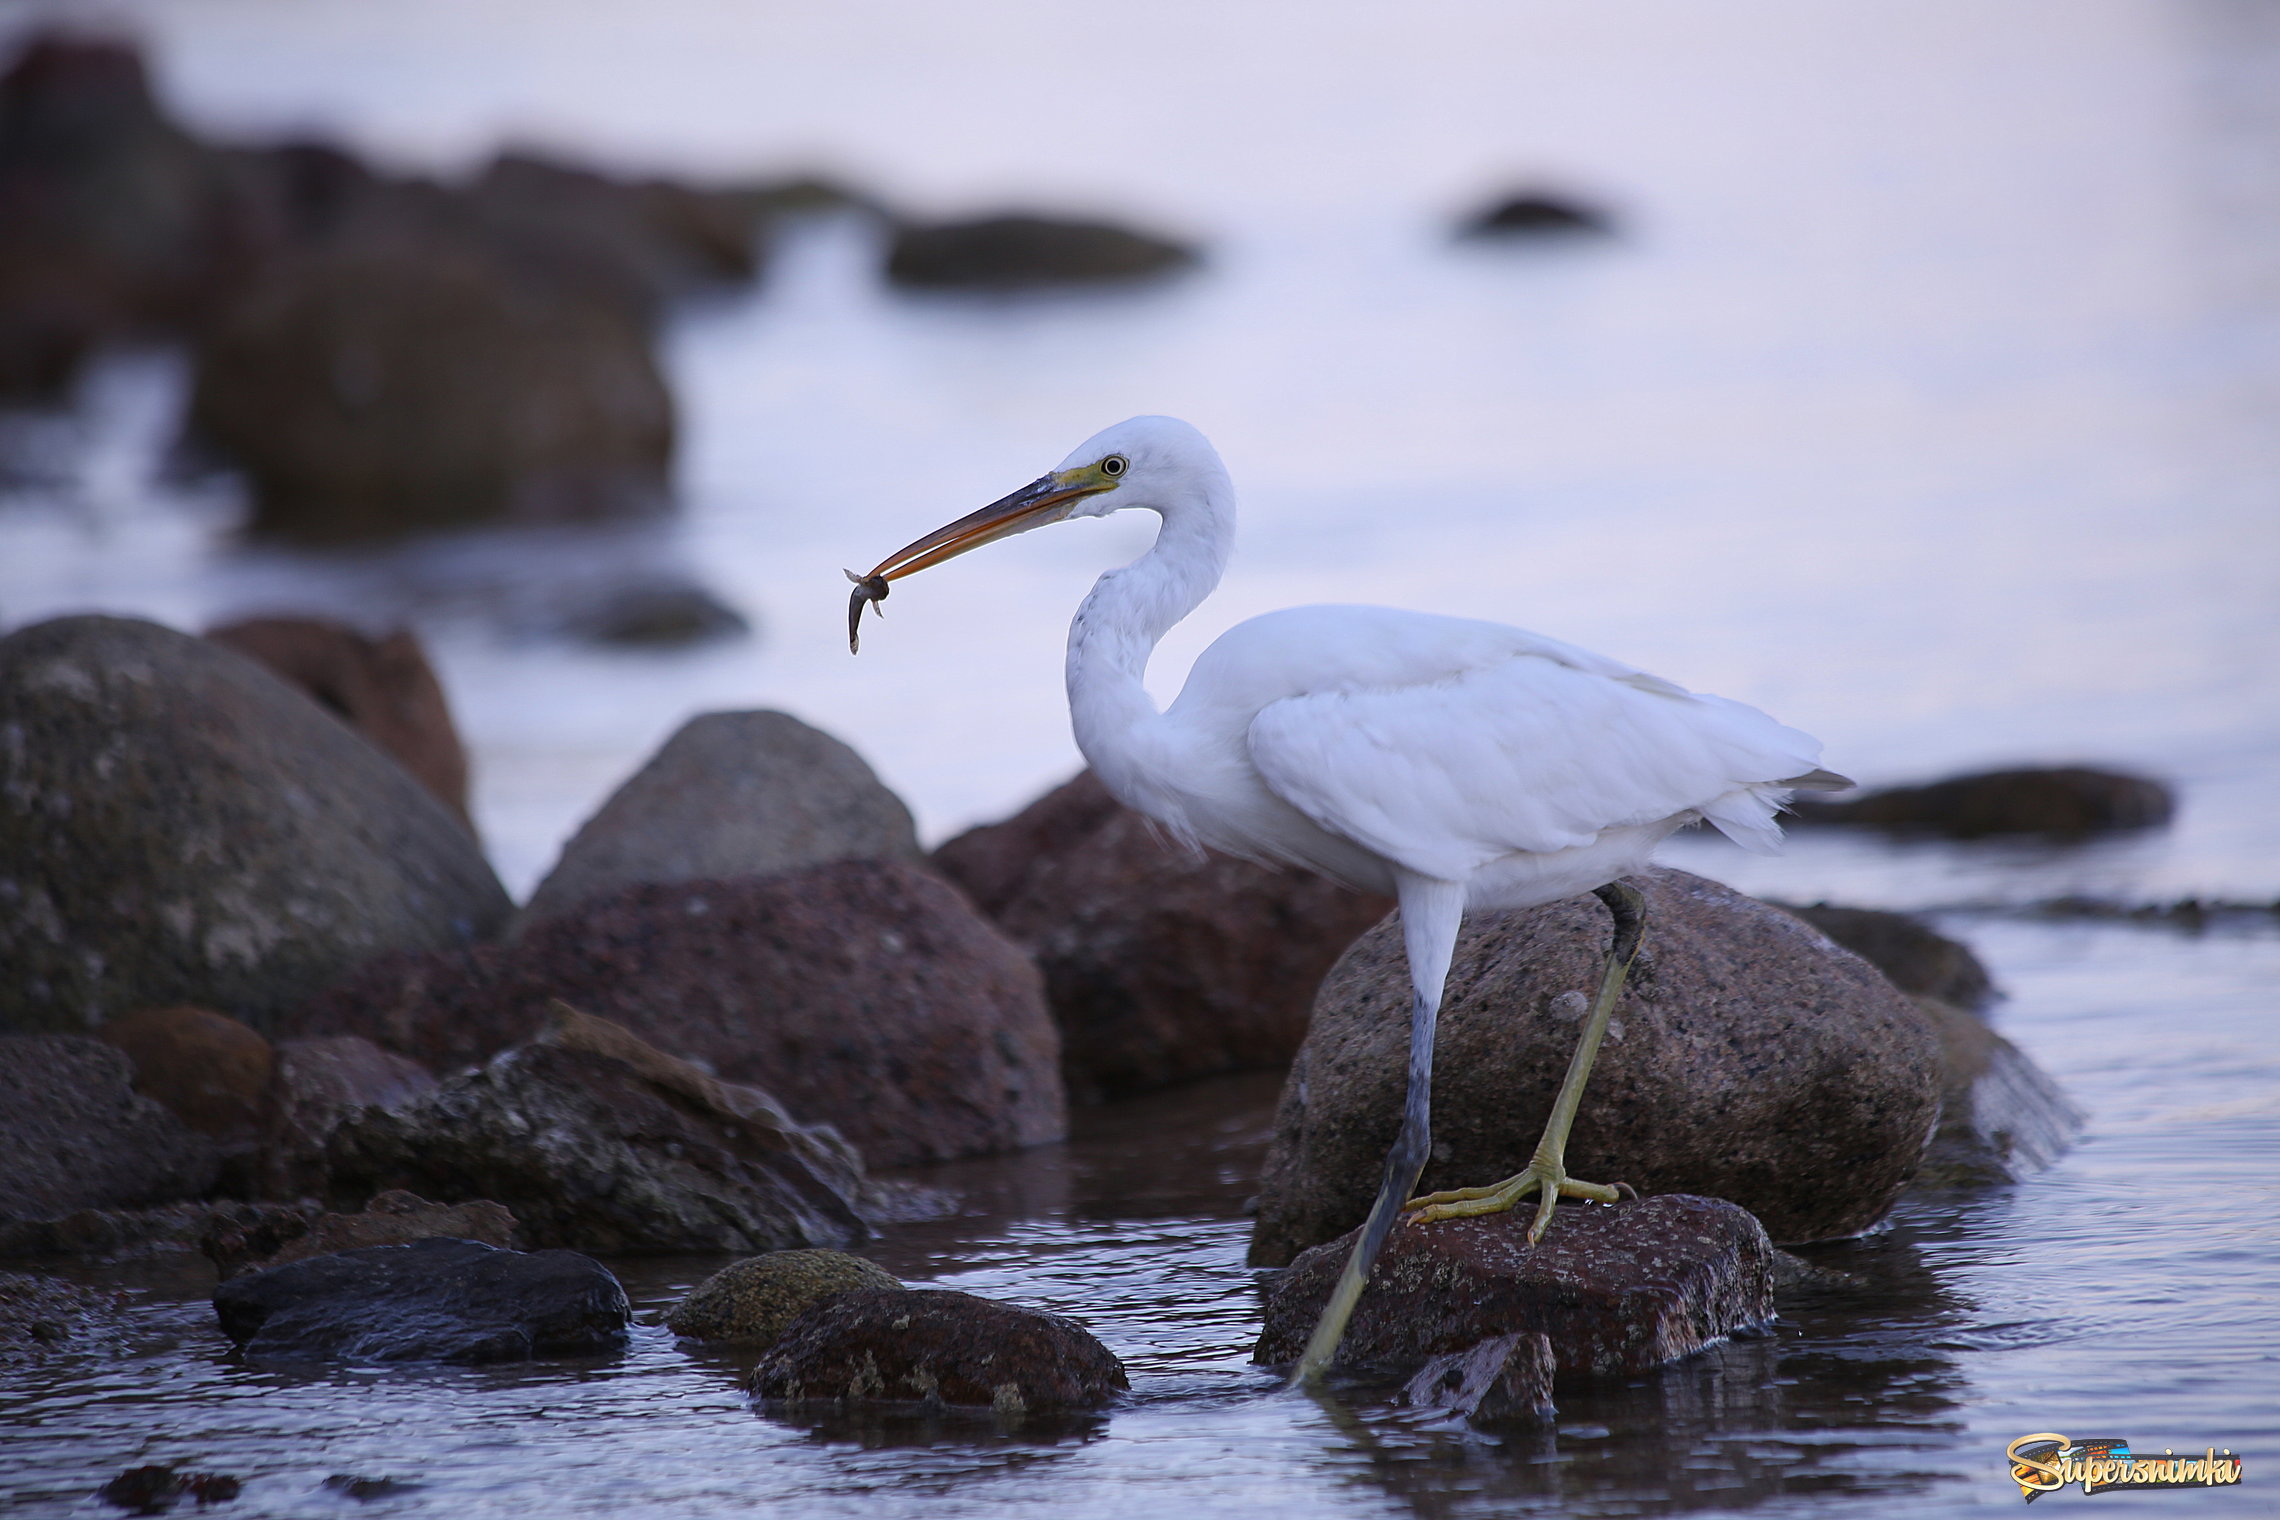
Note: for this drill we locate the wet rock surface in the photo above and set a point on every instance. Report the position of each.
(74, 1134)
(430, 1300)
(318, 1083)
(868, 995)
(383, 688)
(1914, 957)
(1504, 1380)
(389, 1219)
(754, 1299)
(1005, 253)
(130, 1234)
(1162, 964)
(731, 794)
(1617, 1288)
(40, 1315)
(2062, 802)
(598, 1142)
(2002, 1117)
(177, 825)
(157, 1487)
(1749, 1059)
(930, 1346)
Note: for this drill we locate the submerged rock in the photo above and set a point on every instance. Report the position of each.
(731, 794)
(868, 992)
(1914, 957)
(154, 1489)
(383, 688)
(2002, 1117)
(389, 1219)
(74, 1134)
(599, 1142)
(1504, 1380)
(431, 1300)
(177, 826)
(1162, 964)
(1749, 1059)
(1618, 1288)
(935, 1347)
(2065, 802)
(754, 1299)
(1535, 213)
(41, 1315)
(1022, 252)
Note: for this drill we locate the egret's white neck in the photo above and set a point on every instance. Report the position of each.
(1128, 611)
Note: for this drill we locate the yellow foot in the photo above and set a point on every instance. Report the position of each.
(1548, 1179)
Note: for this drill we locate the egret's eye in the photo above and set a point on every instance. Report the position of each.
(1113, 466)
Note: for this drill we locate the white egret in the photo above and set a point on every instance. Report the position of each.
(1448, 763)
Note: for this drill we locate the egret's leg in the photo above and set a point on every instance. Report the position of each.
(1430, 914)
(1546, 1173)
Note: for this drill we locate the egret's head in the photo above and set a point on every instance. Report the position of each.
(1140, 462)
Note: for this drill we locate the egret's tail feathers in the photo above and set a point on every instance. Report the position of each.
(1819, 781)
(1747, 818)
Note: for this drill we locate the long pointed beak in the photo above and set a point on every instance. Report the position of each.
(1047, 499)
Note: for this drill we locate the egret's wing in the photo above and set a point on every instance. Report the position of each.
(1526, 754)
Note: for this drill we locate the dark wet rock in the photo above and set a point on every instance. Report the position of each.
(2065, 802)
(389, 1219)
(383, 688)
(731, 794)
(431, 1300)
(363, 1488)
(934, 1347)
(867, 992)
(1504, 1380)
(1022, 252)
(1618, 1288)
(74, 1134)
(40, 1315)
(1749, 1059)
(177, 825)
(1914, 957)
(1162, 964)
(417, 381)
(1535, 213)
(754, 1299)
(2002, 1117)
(659, 616)
(600, 1143)
(131, 1234)
(157, 1488)
(211, 1070)
(320, 1082)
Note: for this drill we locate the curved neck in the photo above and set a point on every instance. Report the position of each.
(1128, 611)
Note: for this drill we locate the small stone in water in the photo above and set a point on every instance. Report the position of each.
(154, 1489)
(365, 1488)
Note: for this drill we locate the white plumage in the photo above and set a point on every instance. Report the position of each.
(1448, 762)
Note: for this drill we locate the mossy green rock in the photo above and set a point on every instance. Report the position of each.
(754, 1299)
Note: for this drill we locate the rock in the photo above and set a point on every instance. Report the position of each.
(431, 1300)
(2001, 1116)
(41, 1315)
(754, 1299)
(389, 1219)
(418, 380)
(385, 689)
(211, 1070)
(871, 988)
(1162, 964)
(156, 1488)
(1535, 213)
(179, 826)
(2068, 802)
(1504, 1380)
(319, 1083)
(660, 616)
(1020, 252)
(731, 794)
(600, 1143)
(1914, 957)
(1749, 1059)
(127, 1234)
(358, 1487)
(1619, 1288)
(75, 1135)
(939, 1348)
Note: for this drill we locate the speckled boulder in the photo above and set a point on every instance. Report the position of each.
(754, 1299)
(731, 794)
(1162, 963)
(177, 825)
(1750, 1059)
(930, 1346)
(866, 994)
(1618, 1288)
(75, 1135)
